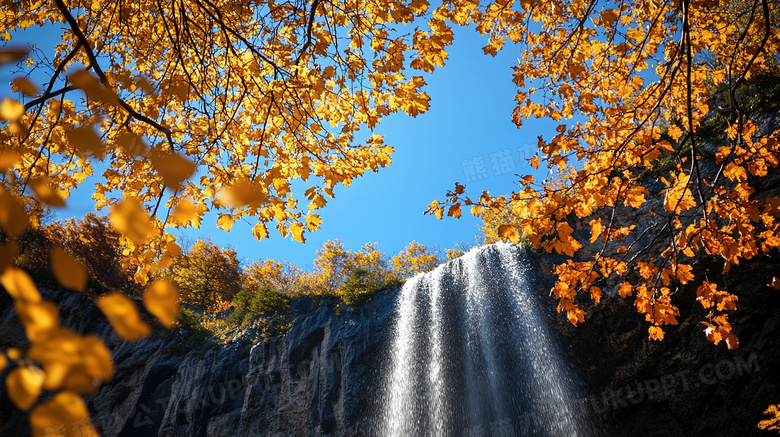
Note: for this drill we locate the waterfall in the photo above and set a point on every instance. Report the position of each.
(472, 354)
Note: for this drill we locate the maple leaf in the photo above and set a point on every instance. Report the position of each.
(509, 232)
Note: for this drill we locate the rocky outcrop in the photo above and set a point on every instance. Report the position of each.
(314, 381)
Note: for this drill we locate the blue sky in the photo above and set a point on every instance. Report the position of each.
(467, 136)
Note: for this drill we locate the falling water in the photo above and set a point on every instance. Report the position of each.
(473, 355)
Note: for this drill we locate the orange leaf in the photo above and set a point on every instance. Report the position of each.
(656, 333)
(25, 86)
(70, 273)
(85, 138)
(46, 193)
(23, 385)
(65, 409)
(38, 318)
(162, 300)
(19, 285)
(13, 218)
(124, 316)
(173, 167)
(509, 232)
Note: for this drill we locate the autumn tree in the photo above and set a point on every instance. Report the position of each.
(334, 265)
(207, 276)
(281, 276)
(630, 82)
(414, 259)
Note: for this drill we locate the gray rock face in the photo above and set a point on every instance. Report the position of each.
(314, 381)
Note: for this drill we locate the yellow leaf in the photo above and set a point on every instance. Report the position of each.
(25, 86)
(67, 412)
(13, 218)
(454, 211)
(260, 231)
(92, 87)
(162, 300)
(185, 213)
(173, 167)
(132, 144)
(69, 271)
(19, 285)
(11, 110)
(535, 162)
(71, 361)
(313, 222)
(7, 160)
(46, 193)
(297, 232)
(242, 193)
(15, 54)
(124, 316)
(225, 222)
(23, 385)
(509, 232)
(38, 318)
(130, 218)
(675, 132)
(85, 138)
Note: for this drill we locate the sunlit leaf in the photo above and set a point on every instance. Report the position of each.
(85, 138)
(12, 54)
(173, 167)
(25, 86)
(19, 285)
(124, 316)
(65, 412)
(69, 271)
(509, 232)
(260, 231)
(38, 318)
(161, 298)
(71, 361)
(46, 192)
(24, 384)
(13, 218)
(297, 232)
(11, 110)
(130, 218)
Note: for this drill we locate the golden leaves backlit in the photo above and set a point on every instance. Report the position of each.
(161, 298)
(70, 273)
(124, 316)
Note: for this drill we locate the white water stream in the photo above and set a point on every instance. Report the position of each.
(472, 354)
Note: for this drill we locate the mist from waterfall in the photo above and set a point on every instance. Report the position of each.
(472, 354)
